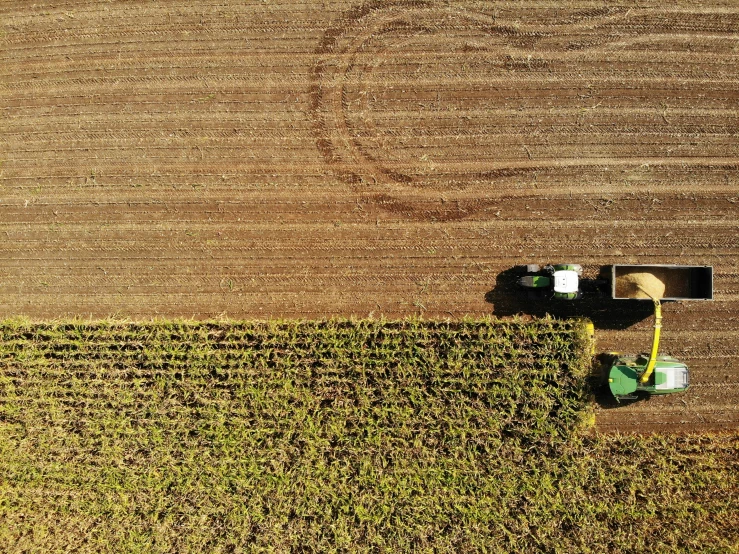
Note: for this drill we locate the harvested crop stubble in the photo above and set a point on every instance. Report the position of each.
(354, 436)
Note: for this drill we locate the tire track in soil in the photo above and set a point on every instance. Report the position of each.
(338, 139)
(363, 166)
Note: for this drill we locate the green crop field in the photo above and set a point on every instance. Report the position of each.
(353, 436)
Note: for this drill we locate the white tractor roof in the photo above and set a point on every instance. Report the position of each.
(565, 281)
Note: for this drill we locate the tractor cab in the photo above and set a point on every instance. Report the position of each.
(566, 281)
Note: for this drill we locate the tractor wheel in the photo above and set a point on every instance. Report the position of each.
(532, 268)
(535, 282)
(571, 267)
(566, 295)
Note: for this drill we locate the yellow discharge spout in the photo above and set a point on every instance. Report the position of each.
(655, 341)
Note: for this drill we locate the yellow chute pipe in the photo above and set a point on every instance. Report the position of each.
(655, 341)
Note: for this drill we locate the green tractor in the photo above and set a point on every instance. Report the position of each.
(561, 281)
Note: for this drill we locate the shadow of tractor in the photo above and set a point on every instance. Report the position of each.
(596, 304)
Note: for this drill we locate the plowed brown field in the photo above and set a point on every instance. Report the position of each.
(306, 159)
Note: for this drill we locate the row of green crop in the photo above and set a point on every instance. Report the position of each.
(334, 436)
(523, 378)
